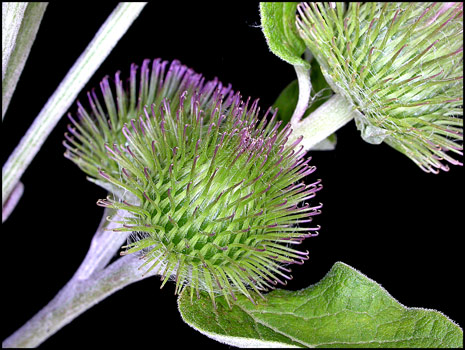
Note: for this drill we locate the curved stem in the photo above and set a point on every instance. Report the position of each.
(92, 282)
(76, 297)
(324, 121)
(305, 88)
(104, 245)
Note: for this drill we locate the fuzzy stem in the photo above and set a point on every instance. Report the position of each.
(91, 283)
(12, 16)
(99, 48)
(324, 121)
(305, 88)
(12, 201)
(104, 246)
(76, 297)
(17, 57)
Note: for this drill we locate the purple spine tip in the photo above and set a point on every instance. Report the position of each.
(104, 175)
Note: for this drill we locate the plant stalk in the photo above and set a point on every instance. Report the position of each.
(99, 48)
(12, 201)
(305, 88)
(91, 283)
(17, 58)
(323, 122)
(76, 297)
(12, 16)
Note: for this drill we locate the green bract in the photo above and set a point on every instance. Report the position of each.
(213, 192)
(401, 66)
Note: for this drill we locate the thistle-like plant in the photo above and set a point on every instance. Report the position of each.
(213, 190)
(208, 191)
(401, 67)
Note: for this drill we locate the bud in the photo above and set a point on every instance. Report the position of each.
(401, 67)
(219, 197)
(92, 131)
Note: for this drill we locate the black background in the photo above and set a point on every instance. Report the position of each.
(382, 214)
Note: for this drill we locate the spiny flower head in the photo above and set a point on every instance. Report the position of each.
(103, 124)
(216, 193)
(401, 66)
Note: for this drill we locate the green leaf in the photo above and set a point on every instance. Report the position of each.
(287, 101)
(345, 309)
(278, 25)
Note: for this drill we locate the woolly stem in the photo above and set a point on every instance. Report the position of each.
(12, 16)
(104, 245)
(99, 48)
(91, 283)
(324, 121)
(18, 54)
(76, 297)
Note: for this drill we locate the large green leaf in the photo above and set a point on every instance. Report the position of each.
(278, 25)
(345, 309)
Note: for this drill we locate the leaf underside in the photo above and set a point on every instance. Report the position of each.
(345, 309)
